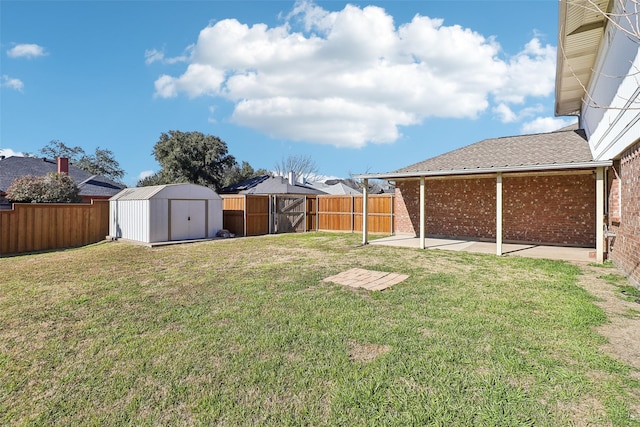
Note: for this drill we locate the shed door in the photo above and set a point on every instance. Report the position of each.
(188, 219)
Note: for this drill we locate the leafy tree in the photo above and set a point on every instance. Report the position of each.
(159, 178)
(303, 166)
(237, 173)
(50, 188)
(102, 162)
(191, 157)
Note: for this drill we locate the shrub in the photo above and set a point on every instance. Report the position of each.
(50, 188)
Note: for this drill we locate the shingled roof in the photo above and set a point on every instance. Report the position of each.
(88, 184)
(266, 184)
(564, 149)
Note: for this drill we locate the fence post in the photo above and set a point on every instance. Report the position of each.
(353, 213)
(391, 214)
(365, 212)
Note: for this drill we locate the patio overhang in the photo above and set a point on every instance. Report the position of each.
(498, 173)
(555, 167)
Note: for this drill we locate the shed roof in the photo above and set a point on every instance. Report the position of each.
(563, 149)
(168, 191)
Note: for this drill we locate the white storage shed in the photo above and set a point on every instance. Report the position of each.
(163, 213)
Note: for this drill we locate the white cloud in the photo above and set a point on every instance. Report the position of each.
(505, 113)
(154, 55)
(531, 73)
(353, 77)
(11, 83)
(545, 124)
(145, 174)
(8, 152)
(26, 51)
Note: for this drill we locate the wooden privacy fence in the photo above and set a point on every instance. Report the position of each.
(245, 215)
(344, 213)
(252, 215)
(36, 227)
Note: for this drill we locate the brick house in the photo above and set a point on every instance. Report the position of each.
(596, 80)
(577, 187)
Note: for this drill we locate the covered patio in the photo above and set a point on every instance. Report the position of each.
(540, 195)
(562, 253)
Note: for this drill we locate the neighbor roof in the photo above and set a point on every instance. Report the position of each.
(336, 188)
(266, 184)
(581, 29)
(564, 149)
(15, 167)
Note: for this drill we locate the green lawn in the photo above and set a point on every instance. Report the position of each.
(244, 332)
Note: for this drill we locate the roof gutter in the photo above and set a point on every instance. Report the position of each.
(478, 171)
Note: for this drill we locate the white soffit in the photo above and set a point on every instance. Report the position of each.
(581, 28)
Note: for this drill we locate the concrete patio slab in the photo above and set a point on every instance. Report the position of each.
(530, 251)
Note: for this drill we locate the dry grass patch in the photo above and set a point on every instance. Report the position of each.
(359, 352)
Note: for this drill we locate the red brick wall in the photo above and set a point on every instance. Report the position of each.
(558, 209)
(625, 251)
(406, 207)
(461, 208)
(613, 203)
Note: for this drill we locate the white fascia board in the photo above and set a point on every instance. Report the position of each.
(451, 172)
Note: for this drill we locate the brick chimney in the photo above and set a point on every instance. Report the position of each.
(63, 165)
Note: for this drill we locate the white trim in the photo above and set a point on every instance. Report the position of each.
(422, 213)
(600, 215)
(507, 169)
(365, 212)
(499, 214)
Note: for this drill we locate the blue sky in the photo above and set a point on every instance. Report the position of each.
(359, 87)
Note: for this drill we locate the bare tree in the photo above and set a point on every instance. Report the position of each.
(302, 166)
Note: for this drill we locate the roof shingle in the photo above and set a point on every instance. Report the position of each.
(554, 148)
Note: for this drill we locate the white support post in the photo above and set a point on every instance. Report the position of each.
(499, 214)
(600, 214)
(422, 212)
(365, 212)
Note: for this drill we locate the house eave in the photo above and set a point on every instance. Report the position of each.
(581, 26)
(492, 170)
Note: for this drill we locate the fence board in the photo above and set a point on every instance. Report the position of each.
(257, 215)
(233, 213)
(37, 227)
(344, 213)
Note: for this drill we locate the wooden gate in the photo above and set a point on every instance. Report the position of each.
(289, 213)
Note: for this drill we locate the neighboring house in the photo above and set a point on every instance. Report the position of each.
(334, 187)
(266, 184)
(597, 80)
(91, 186)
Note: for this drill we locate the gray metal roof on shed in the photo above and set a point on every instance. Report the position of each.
(168, 191)
(563, 149)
